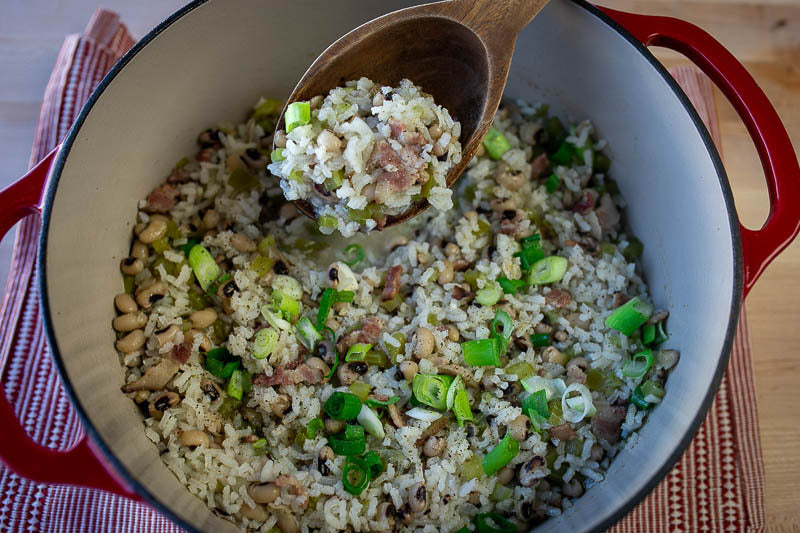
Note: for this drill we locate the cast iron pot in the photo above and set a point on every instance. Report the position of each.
(213, 59)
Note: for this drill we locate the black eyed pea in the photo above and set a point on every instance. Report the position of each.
(446, 273)
(525, 510)
(333, 426)
(316, 101)
(329, 141)
(518, 428)
(435, 131)
(203, 318)
(433, 447)
(211, 390)
(572, 489)
(561, 335)
(125, 303)
(211, 219)
(132, 341)
(130, 321)
(505, 476)
(280, 139)
(264, 492)
(288, 211)
(139, 250)
(325, 455)
(319, 364)
(205, 342)
(423, 343)
(396, 242)
(167, 334)
(541, 327)
(511, 179)
(155, 229)
(453, 335)
(531, 471)
(385, 517)
(193, 438)
(341, 277)
(417, 497)
(161, 402)
(287, 523)
(350, 372)
(256, 514)
(281, 405)
(409, 369)
(452, 250)
(151, 292)
(130, 266)
(141, 396)
(554, 355)
(438, 149)
(242, 243)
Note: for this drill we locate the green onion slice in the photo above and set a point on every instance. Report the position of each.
(342, 406)
(264, 342)
(355, 476)
(229, 368)
(203, 265)
(531, 251)
(297, 114)
(661, 334)
(576, 409)
(511, 286)
(637, 398)
(553, 387)
(314, 425)
(489, 295)
(502, 524)
(638, 365)
(628, 317)
(536, 403)
(187, 248)
(357, 352)
(461, 407)
(651, 389)
(496, 144)
(372, 402)
(648, 333)
(287, 305)
(432, 389)
(484, 352)
(502, 325)
(307, 333)
(374, 463)
(454, 387)
(353, 255)
(236, 384)
(500, 456)
(540, 340)
(371, 422)
(552, 183)
(260, 447)
(347, 447)
(548, 270)
(273, 318)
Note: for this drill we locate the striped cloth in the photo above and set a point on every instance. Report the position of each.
(717, 486)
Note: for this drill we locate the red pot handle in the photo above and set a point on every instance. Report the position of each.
(82, 464)
(759, 247)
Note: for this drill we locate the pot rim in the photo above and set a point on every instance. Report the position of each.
(614, 517)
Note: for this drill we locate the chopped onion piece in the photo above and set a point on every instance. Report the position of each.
(371, 422)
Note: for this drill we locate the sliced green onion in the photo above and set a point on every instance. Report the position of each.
(531, 251)
(242, 180)
(314, 425)
(628, 317)
(374, 463)
(501, 455)
(501, 492)
(502, 325)
(335, 181)
(496, 144)
(548, 270)
(372, 402)
(489, 295)
(354, 445)
(264, 342)
(276, 156)
(552, 183)
(370, 421)
(484, 352)
(215, 367)
(563, 155)
(637, 398)
(432, 390)
(511, 286)
(360, 389)
(540, 340)
(461, 407)
(235, 385)
(332, 335)
(454, 387)
(187, 248)
(307, 333)
(353, 255)
(355, 476)
(260, 447)
(661, 334)
(229, 369)
(327, 221)
(648, 333)
(576, 411)
(553, 387)
(357, 352)
(537, 404)
(273, 318)
(634, 250)
(203, 265)
(342, 406)
(651, 388)
(325, 304)
(287, 305)
(297, 114)
(638, 365)
(521, 369)
(502, 524)
(218, 353)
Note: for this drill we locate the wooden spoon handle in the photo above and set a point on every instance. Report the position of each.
(495, 21)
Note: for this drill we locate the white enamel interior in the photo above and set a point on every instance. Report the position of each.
(213, 63)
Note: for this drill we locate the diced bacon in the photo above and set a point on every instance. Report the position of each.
(178, 175)
(607, 421)
(162, 199)
(397, 128)
(180, 352)
(563, 432)
(586, 202)
(383, 155)
(539, 166)
(390, 183)
(607, 213)
(392, 286)
(558, 298)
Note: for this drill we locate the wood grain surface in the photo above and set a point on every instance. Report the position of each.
(764, 35)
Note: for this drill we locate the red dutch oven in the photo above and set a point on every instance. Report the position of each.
(213, 59)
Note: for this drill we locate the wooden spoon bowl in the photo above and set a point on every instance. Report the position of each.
(459, 51)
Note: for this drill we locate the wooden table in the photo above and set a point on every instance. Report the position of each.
(765, 35)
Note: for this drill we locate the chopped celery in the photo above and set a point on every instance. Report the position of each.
(393, 350)
(242, 181)
(266, 245)
(522, 369)
(297, 114)
(360, 389)
(261, 265)
(327, 221)
(496, 144)
(161, 245)
(335, 181)
(489, 295)
(394, 303)
(277, 156)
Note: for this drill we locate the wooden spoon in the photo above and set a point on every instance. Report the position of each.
(459, 51)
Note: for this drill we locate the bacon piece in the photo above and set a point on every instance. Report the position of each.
(393, 182)
(558, 298)
(607, 421)
(392, 286)
(162, 199)
(180, 352)
(562, 432)
(539, 166)
(397, 128)
(370, 330)
(178, 175)
(586, 202)
(607, 213)
(383, 155)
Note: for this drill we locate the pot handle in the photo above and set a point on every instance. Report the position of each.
(759, 247)
(82, 464)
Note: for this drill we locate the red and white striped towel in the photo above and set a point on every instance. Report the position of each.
(717, 486)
